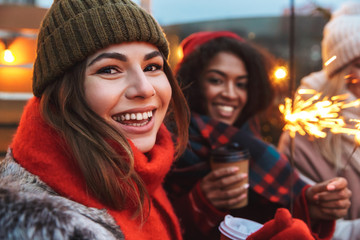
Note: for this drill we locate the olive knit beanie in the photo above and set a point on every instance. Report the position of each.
(72, 30)
(341, 38)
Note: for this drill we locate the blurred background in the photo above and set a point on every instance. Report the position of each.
(263, 22)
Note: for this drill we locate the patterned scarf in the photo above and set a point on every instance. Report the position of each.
(269, 173)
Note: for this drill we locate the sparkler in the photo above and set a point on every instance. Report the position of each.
(314, 115)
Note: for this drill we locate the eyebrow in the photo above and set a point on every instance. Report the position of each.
(122, 57)
(152, 55)
(117, 56)
(224, 75)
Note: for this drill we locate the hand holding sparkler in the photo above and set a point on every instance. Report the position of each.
(329, 200)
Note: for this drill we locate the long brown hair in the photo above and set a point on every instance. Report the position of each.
(64, 107)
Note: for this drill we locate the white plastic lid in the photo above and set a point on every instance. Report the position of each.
(238, 228)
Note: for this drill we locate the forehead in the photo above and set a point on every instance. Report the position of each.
(227, 62)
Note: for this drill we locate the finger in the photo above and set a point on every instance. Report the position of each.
(221, 172)
(329, 185)
(229, 181)
(229, 193)
(334, 214)
(229, 203)
(335, 195)
(225, 182)
(337, 184)
(336, 204)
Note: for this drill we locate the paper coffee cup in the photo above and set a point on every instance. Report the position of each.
(232, 228)
(227, 157)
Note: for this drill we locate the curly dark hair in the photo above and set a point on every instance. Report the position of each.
(260, 91)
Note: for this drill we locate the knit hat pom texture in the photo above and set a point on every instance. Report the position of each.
(342, 37)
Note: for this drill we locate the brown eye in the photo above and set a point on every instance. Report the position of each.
(152, 67)
(241, 85)
(107, 70)
(214, 81)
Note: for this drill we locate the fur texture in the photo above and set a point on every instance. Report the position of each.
(29, 209)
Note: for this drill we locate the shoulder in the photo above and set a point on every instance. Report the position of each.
(315, 81)
(31, 210)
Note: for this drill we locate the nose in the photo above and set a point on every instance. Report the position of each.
(229, 91)
(140, 86)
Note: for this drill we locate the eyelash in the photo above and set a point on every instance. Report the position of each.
(157, 67)
(105, 70)
(216, 81)
(242, 85)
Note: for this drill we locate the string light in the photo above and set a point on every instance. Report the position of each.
(8, 56)
(280, 72)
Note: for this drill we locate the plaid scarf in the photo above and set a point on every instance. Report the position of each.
(269, 171)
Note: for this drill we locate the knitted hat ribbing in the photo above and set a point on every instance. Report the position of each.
(72, 30)
(341, 37)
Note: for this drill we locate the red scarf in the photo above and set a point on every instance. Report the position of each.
(40, 150)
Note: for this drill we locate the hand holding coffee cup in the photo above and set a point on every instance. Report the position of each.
(226, 186)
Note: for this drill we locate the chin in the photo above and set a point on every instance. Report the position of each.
(144, 145)
(226, 121)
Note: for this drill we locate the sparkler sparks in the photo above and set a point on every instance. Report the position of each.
(314, 115)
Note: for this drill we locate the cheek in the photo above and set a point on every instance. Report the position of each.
(97, 97)
(164, 91)
(244, 97)
(210, 92)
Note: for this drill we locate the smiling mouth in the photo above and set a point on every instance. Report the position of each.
(225, 108)
(138, 119)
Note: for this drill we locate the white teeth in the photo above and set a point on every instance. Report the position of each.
(134, 116)
(139, 116)
(226, 108)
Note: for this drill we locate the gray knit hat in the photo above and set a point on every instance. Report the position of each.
(72, 30)
(341, 37)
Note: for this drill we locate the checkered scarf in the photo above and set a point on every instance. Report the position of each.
(270, 171)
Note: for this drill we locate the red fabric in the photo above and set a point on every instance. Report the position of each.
(40, 150)
(283, 227)
(324, 229)
(190, 43)
(204, 211)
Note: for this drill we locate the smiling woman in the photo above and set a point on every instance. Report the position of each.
(92, 149)
(226, 83)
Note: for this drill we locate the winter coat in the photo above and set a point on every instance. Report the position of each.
(314, 168)
(27, 205)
